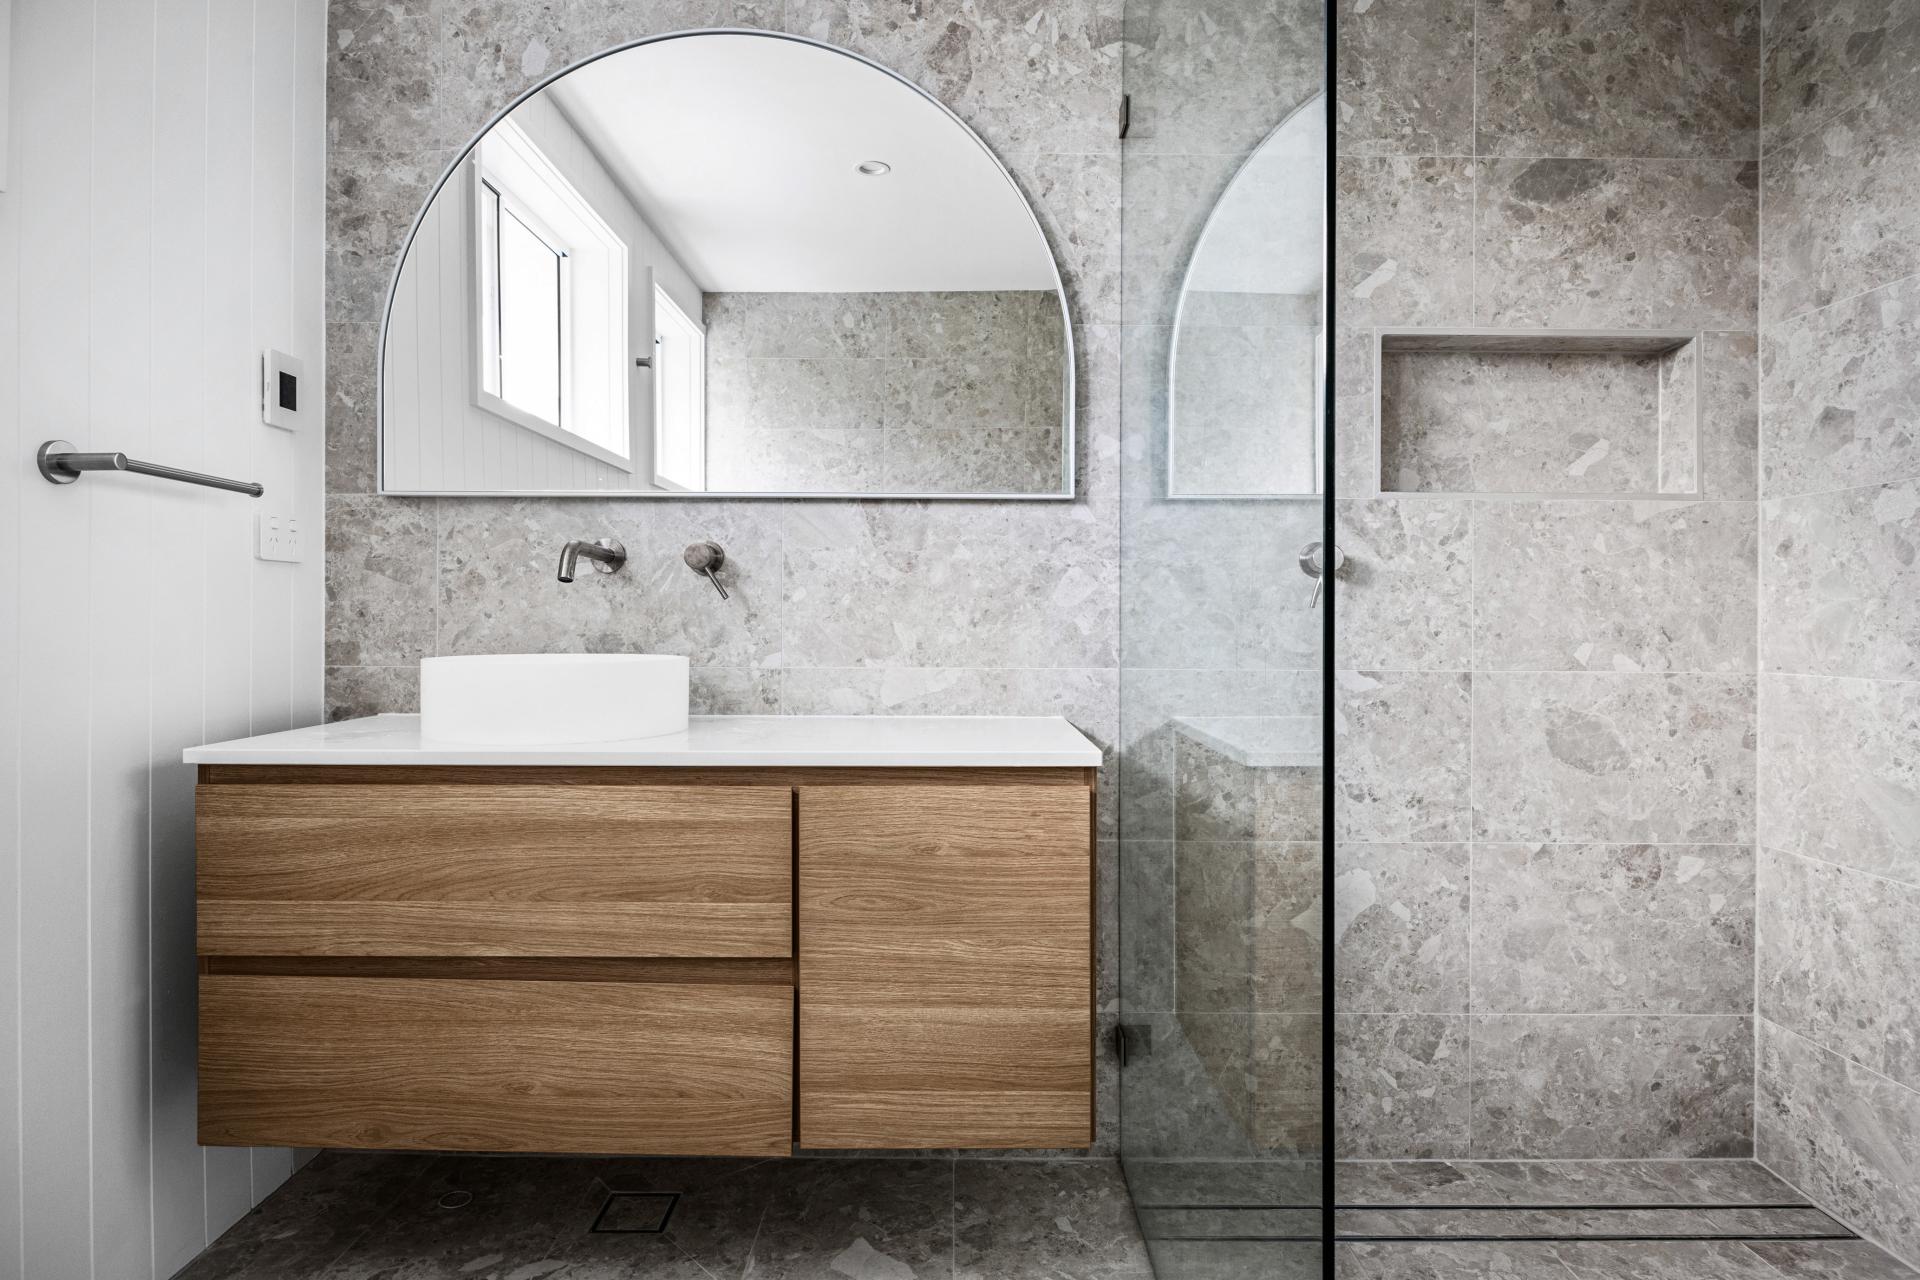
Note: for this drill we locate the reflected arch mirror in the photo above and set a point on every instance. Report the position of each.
(727, 263)
(1247, 363)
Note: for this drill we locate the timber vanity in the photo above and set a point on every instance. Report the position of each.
(836, 932)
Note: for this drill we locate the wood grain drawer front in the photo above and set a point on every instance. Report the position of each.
(945, 961)
(494, 870)
(491, 1065)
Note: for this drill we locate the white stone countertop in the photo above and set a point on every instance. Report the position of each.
(860, 742)
(1259, 742)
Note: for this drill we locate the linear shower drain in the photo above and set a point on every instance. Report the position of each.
(635, 1212)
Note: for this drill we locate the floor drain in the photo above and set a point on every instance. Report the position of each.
(456, 1200)
(635, 1212)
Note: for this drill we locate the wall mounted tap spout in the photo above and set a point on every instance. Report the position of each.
(607, 556)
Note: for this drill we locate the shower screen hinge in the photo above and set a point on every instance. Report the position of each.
(1131, 1039)
(1126, 113)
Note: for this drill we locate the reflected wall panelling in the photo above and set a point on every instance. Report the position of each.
(158, 229)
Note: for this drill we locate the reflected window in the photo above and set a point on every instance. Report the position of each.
(679, 397)
(552, 302)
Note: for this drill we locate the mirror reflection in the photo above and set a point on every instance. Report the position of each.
(727, 263)
(1247, 371)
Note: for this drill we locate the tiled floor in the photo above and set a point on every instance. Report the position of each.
(400, 1217)
(375, 1217)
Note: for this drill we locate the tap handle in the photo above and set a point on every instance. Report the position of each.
(1313, 563)
(704, 558)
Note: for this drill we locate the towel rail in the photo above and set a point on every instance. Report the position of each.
(61, 463)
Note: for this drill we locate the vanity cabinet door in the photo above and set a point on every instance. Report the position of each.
(945, 939)
(494, 869)
(456, 1064)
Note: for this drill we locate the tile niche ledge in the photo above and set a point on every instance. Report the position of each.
(1528, 413)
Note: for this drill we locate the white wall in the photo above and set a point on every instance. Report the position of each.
(436, 438)
(160, 225)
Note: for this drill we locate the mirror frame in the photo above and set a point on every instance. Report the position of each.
(1069, 447)
(1324, 372)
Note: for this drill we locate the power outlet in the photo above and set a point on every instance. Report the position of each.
(276, 537)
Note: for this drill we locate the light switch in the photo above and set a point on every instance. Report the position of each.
(283, 395)
(276, 537)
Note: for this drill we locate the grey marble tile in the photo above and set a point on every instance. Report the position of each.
(1617, 243)
(1400, 920)
(1843, 394)
(352, 411)
(1214, 934)
(1837, 213)
(1404, 253)
(1401, 1086)
(946, 585)
(735, 691)
(1402, 743)
(1167, 200)
(1824, 56)
(1575, 928)
(1406, 78)
(353, 692)
(1077, 199)
(524, 1214)
(373, 197)
(1217, 798)
(1446, 1260)
(1224, 1183)
(1663, 1260)
(1214, 76)
(1236, 1259)
(1570, 1183)
(1571, 1223)
(1146, 928)
(1615, 586)
(1218, 584)
(830, 460)
(1847, 1136)
(1151, 699)
(858, 1217)
(1179, 1104)
(1620, 78)
(1521, 423)
(1028, 79)
(1287, 955)
(377, 82)
(1287, 1106)
(302, 1228)
(1839, 780)
(1044, 1220)
(1840, 962)
(1831, 1260)
(487, 53)
(380, 571)
(1406, 593)
(497, 592)
(1729, 427)
(1840, 591)
(1612, 1086)
(1615, 758)
(711, 1230)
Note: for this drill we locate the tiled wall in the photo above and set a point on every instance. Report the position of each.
(1545, 707)
(942, 392)
(896, 607)
(1839, 747)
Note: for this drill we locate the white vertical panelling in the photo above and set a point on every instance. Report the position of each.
(52, 87)
(177, 317)
(12, 480)
(118, 574)
(163, 224)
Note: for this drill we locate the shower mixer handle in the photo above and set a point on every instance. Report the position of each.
(1313, 563)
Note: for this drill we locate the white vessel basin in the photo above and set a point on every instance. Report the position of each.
(533, 699)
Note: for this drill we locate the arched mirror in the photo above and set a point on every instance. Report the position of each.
(727, 263)
(1247, 369)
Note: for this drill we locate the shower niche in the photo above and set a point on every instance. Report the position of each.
(1460, 411)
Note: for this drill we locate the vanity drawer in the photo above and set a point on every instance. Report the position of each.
(490, 1064)
(494, 869)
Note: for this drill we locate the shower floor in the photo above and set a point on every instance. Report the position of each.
(1439, 1220)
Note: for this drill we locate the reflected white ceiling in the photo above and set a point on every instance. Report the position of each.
(741, 151)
